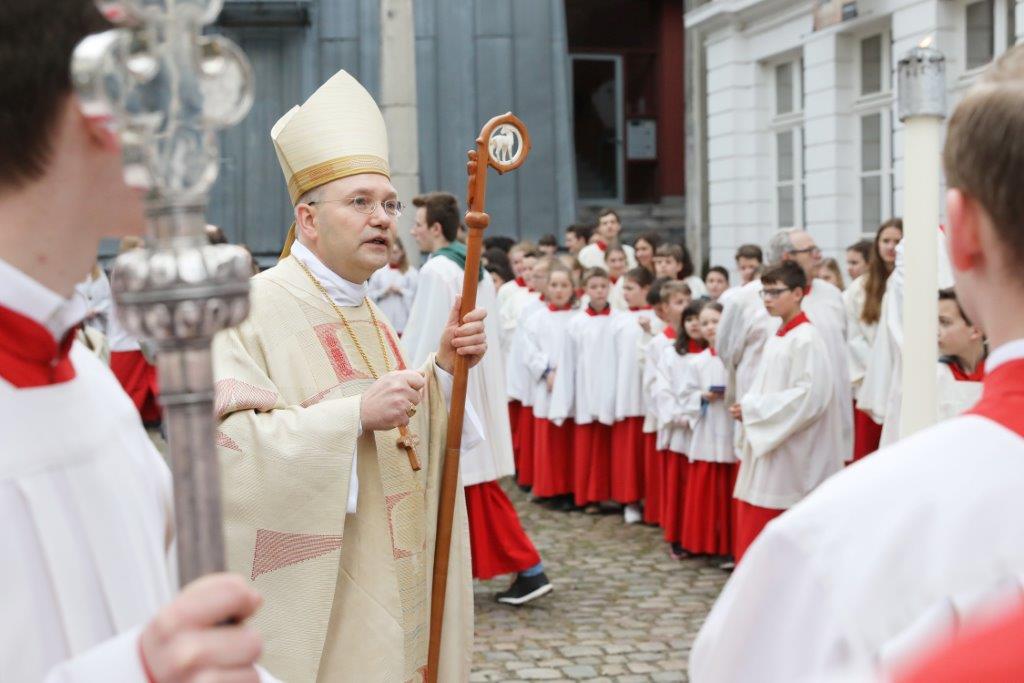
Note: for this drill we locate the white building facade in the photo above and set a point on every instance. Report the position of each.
(796, 127)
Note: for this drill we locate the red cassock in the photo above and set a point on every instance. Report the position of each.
(989, 653)
(750, 521)
(674, 496)
(628, 460)
(707, 511)
(497, 541)
(523, 446)
(513, 420)
(653, 479)
(552, 458)
(866, 434)
(138, 378)
(591, 463)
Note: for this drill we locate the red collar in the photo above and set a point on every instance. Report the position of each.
(613, 280)
(522, 283)
(639, 308)
(607, 310)
(29, 355)
(392, 266)
(800, 319)
(807, 289)
(694, 346)
(961, 375)
(712, 350)
(670, 332)
(555, 309)
(602, 245)
(1002, 398)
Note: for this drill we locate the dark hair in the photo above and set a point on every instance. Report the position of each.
(720, 270)
(682, 344)
(36, 42)
(681, 254)
(750, 251)
(582, 232)
(654, 293)
(713, 305)
(877, 275)
(949, 294)
(787, 273)
(652, 238)
(499, 242)
(862, 247)
(591, 273)
(548, 240)
(496, 257)
(501, 270)
(442, 208)
(609, 212)
(641, 276)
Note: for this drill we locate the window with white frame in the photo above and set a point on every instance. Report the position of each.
(989, 27)
(788, 144)
(873, 107)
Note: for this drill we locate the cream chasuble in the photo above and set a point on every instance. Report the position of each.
(346, 596)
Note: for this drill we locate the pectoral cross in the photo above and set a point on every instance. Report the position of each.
(408, 442)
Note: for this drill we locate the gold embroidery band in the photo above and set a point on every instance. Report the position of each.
(332, 169)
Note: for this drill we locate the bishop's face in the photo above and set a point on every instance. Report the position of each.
(350, 242)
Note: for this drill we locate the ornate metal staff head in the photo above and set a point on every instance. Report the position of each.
(167, 89)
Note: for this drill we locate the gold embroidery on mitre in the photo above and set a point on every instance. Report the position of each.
(341, 167)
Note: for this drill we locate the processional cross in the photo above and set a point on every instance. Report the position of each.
(167, 89)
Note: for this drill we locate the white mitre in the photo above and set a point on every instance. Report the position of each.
(338, 132)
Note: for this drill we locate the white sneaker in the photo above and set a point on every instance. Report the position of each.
(632, 514)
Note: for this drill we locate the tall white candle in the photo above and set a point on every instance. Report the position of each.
(922, 106)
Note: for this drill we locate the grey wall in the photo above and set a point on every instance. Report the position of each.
(476, 59)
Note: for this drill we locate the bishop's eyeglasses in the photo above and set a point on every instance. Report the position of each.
(367, 206)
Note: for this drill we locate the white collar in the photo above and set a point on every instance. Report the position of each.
(25, 295)
(341, 291)
(1011, 350)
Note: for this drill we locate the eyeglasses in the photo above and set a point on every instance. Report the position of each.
(808, 250)
(774, 293)
(367, 206)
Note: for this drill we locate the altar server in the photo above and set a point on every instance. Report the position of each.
(892, 553)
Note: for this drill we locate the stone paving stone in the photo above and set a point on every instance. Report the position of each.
(621, 610)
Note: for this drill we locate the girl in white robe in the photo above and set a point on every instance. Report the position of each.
(587, 371)
(711, 477)
(543, 339)
(675, 423)
(627, 432)
(528, 302)
(393, 287)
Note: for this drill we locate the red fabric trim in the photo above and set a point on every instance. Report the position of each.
(29, 355)
(639, 308)
(603, 246)
(985, 651)
(521, 282)
(750, 521)
(694, 346)
(523, 447)
(592, 463)
(392, 266)
(513, 420)
(552, 458)
(961, 375)
(1002, 398)
(670, 332)
(628, 460)
(607, 310)
(800, 319)
(614, 280)
(653, 475)
(707, 513)
(867, 434)
(139, 380)
(497, 541)
(556, 309)
(673, 501)
(807, 289)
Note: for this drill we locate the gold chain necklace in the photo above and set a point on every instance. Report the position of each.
(405, 440)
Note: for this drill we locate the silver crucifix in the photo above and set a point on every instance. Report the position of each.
(167, 89)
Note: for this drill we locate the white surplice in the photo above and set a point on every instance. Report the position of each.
(792, 436)
(395, 306)
(824, 306)
(629, 339)
(543, 338)
(592, 256)
(588, 366)
(711, 439)
(675, 407)
(882, 559)
(651, 374)
(859, 334)
(518, 383)
(439, 283)
(86, 506)
(697, 287)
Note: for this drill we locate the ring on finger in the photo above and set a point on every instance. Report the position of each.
(410, 411)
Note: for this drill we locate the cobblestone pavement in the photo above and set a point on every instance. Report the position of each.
(621, 611)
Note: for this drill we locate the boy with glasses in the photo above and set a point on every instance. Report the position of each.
(792, 426)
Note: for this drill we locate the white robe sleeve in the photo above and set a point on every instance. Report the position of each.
(770, 417)
(427, 317)
(563, 394)
(534, 357)
(377, 285)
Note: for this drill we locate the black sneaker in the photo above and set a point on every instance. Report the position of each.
(526, 588)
